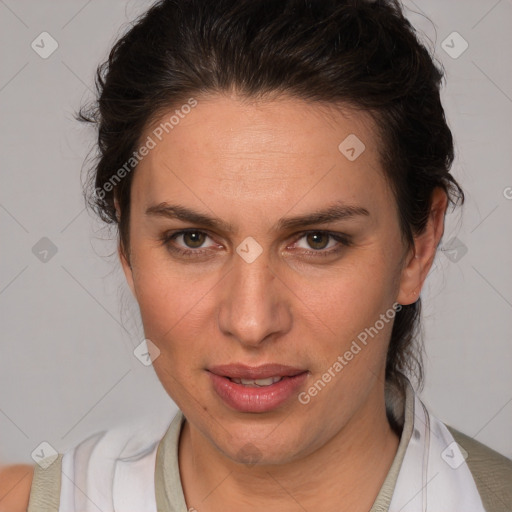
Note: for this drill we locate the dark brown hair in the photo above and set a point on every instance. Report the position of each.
(361, 53)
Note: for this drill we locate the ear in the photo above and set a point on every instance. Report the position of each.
(127, 269)
(422, 254)
(125, 264)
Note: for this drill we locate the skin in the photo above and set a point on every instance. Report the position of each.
(250, 164)
(15, 483)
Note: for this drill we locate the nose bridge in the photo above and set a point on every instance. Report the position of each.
(253, 307)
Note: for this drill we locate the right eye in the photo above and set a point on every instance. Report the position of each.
(187, 243)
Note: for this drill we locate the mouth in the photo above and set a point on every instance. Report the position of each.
(259, 383)
(256, 389)
(263, 372)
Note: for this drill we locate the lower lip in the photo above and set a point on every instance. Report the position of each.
(256, 399)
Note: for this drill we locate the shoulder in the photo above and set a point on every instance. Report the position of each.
(15, 483)
(491, 471)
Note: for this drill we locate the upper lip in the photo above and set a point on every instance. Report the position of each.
(241, 371)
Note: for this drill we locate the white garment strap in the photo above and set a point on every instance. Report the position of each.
(134, 483)
(113, 470)
(434, 475)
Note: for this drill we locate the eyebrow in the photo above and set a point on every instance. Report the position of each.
(338, 211)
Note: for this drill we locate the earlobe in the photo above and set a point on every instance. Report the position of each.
(422, 254)
(410, 281)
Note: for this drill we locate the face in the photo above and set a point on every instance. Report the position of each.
(255, 241)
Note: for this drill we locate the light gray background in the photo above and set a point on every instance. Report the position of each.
(69, 325)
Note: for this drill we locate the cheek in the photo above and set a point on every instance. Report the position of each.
(173, 304)
(172, 312)
(353, 295)
(350, 305)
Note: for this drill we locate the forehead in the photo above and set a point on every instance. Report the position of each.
(246, 150)
(290, 126)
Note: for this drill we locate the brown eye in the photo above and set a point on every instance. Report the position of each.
(194, 239)
(322, 243)
(190, 243)
(318, 241)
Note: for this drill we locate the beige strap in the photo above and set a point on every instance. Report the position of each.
(491, 471)
(45, 490)
(383, 500)
(168, 490)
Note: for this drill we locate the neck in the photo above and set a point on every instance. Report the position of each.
(350, 470)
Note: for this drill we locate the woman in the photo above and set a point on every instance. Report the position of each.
(279, 175)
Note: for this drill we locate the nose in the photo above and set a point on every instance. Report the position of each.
(255, 307)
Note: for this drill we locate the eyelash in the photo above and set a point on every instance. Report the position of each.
(169, 237)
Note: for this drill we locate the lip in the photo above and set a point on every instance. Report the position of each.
(256, 399)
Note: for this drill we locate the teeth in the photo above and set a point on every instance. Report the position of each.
(257, 382)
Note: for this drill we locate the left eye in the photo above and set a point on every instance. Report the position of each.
(317, 240)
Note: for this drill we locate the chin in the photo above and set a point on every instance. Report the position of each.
(265, 449)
